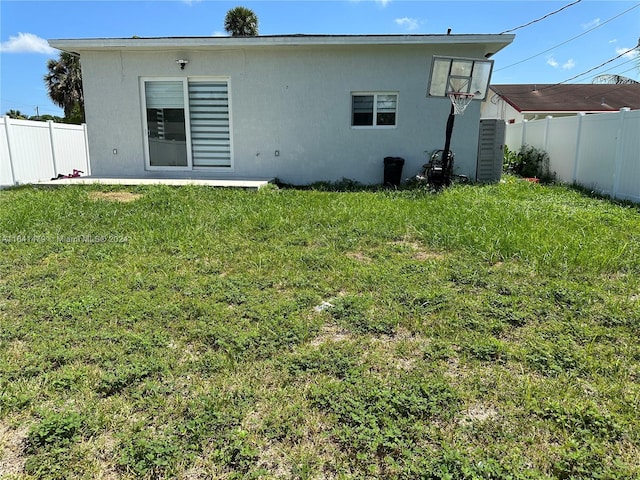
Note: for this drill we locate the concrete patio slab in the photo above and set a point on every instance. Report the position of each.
(159, 181)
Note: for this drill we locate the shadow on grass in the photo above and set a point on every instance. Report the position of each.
(589, 193)
(349, 185)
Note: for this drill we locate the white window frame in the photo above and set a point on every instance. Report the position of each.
(187, 124)
(375, 95)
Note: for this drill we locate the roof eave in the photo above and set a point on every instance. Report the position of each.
(496, 42)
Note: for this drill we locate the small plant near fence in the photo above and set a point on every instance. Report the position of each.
(529, 162)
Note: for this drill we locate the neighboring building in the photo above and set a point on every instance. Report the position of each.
(302, 108)
(515, 103)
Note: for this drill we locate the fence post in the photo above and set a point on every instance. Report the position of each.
(545, 140)
(523, 138)
(86, 149)
(579, 117)
(53, 148)
(7, 130)
(618, 158)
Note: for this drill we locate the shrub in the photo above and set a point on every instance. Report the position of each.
(529, 162)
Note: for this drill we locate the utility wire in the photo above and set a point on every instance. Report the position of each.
(561, 92)
(541, 18)
(569, 40)
(602, 64)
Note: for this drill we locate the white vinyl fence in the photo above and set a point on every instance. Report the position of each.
(31, 151)
(599, 151)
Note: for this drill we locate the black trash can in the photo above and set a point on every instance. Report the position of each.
(393, 171)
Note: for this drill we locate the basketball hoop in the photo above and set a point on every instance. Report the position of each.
(460, 100)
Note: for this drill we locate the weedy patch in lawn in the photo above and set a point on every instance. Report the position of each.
(115, 196)
(158, 332)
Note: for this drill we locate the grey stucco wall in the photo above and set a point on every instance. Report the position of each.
(296, 100)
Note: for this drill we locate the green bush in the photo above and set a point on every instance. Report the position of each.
(529, 162)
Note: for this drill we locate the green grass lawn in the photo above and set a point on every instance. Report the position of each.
(484, 332)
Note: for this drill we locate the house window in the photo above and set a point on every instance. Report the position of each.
(374, 109)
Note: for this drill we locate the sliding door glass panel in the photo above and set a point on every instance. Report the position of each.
(166, 129)
(209, 120)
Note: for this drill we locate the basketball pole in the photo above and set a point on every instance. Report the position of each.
(447, 147)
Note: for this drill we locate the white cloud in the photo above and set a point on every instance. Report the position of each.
(26, 43)
(593, 23)
(629, 53)
(218, 33)
(407, 23)
(568, 65)
(382, 3)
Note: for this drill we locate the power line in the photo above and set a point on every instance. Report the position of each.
(569, 40)
(602, 64)
(541, 18)
(547, 88)
(616, 68)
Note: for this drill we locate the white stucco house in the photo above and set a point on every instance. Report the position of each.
(300, 108)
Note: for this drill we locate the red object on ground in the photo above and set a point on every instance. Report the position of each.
(76, 173)
(533, 180)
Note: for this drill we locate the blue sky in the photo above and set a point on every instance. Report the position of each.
(567, 44)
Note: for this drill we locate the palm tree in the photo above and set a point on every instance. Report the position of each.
(241, 22)
(16, 115)
(64, 85)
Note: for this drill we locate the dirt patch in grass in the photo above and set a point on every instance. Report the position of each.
(359, 257)
(11, 448)
(479, 413)
(330, 333)
(418, 251)
(123, 197)
(274, 460)
(403, 348)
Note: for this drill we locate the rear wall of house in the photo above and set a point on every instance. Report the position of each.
(295, 101)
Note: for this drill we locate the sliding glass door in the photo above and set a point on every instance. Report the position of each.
(165, 126)
(187, 123)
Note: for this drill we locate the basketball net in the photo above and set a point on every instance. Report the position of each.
(460, 100)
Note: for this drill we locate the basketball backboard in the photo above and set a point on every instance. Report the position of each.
(459, 75)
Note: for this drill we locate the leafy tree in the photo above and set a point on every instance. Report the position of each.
(64, 86)
(46, 118)
(16, 114)
(241, 22)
